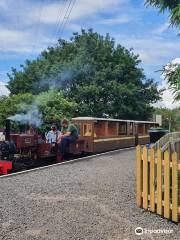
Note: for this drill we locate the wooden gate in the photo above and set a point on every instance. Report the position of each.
(157, 181)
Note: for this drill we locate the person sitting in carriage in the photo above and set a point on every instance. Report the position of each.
(53, 135)
(69, 134)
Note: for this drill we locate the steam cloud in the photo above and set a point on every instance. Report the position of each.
(30, 116)
(64, 78)
(31, 113)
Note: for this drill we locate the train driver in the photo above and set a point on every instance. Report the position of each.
(53, 135)
(69, 134)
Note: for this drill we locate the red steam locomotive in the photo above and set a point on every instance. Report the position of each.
(22, 150)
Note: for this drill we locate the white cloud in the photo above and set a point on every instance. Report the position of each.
(176, 61)
(21, 42)
(82, 9)
(117, 20)
(152, 50)
(33, 13)
(26, 31)
(167, 97)
(74, 27)
(163, 28)
(3, 89)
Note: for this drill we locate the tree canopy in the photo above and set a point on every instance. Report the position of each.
(172, 5)
(171, 73)
(103, 78)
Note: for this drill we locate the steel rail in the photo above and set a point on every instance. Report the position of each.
(66, 162)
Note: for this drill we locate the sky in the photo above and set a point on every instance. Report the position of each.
(29, 26)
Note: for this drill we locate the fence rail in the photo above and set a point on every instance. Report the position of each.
(157, 182)
(167, 140)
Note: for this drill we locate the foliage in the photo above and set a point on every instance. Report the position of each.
(10, 105)
(103, 78)
(54, 106)
(171, 117)
(171, 73)
(51, 104)
(172, 5)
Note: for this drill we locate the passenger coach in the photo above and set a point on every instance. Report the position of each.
(101, 134)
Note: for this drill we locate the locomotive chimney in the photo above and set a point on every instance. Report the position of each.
(8, 129)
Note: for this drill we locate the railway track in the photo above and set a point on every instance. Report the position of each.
(63, 163)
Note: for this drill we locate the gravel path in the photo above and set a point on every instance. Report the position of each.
(87, 200)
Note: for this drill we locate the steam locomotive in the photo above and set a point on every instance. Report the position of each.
(27, 150)
(22, 150)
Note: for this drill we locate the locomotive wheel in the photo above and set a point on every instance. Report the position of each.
(24, 163)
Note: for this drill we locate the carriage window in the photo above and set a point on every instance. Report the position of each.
(123, 128)
(131, 128)
(147, 127)
(99, 128)
(87, 130)
(112, 129)
(78, 128)
(140, 129)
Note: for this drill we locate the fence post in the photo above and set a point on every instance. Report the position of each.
(145, 178)
(159, 182)
(166, 185)
(174, 188)
(138, 176)
(152, 187)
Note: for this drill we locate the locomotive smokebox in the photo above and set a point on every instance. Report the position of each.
(8, 129)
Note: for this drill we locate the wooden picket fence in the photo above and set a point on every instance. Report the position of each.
(157, 182)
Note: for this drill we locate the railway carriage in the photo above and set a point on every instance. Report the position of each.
(102, 134)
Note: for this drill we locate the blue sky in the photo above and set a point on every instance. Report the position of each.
(29, 26)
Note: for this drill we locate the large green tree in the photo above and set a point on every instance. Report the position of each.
(102, 77)
(172, 5)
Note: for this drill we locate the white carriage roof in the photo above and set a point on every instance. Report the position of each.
(110, 119)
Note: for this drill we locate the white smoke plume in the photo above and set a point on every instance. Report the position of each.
(31, 116)
(64, 78)
(31, 113)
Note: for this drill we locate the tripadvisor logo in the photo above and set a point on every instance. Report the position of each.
(139, 231)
